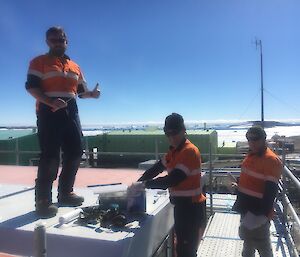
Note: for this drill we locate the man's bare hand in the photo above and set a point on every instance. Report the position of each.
(96, 91)
(234, 186)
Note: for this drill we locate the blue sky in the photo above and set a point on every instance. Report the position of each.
(151, 58)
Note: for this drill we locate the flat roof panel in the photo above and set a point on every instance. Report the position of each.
(142, 238)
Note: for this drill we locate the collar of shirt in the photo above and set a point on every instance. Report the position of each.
(179, 147)
(259, 154)
(64, 56)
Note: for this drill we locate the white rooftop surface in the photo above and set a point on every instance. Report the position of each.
(18, 220)
(12, 189)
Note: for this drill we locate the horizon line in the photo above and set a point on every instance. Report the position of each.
(159, 123)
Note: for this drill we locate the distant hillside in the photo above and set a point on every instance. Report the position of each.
(270, 123)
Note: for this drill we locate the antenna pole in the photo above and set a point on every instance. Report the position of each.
(259, 44)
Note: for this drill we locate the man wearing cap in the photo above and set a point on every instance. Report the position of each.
(54, 80)
(183, 164)
(257, 189)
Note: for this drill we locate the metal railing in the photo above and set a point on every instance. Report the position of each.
(290, 217)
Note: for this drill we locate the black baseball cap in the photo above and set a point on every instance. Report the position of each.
(174, 123)
(256, 131)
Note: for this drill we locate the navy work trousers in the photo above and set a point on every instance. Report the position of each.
(188, 217)
(60, 130)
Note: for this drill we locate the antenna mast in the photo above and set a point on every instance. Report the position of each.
(258, 44)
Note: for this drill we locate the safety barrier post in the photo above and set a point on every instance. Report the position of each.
(40, 247)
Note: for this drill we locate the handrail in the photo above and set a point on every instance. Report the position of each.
(291, 176)
(287, 205)
(285, 199)
(292, 210)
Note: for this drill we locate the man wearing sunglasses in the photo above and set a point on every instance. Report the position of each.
(183, 164)
(54, 80)
(257, 189)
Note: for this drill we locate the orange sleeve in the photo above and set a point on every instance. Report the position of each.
(36, 67)
(274, 168)
(189, 160)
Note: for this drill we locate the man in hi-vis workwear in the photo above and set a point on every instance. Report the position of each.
(54, 80)
(183, 164)
(257, 189)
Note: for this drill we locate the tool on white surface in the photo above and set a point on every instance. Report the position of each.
(66, 218)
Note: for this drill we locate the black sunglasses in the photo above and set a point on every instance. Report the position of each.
(170, 133)
(57, 40)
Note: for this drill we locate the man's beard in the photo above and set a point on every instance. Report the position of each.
(58, 51)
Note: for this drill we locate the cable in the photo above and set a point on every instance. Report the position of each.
(281, 101)
(250, 103)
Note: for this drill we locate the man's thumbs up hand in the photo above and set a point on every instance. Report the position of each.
(96, 91)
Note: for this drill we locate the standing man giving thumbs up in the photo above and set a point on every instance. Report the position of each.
(54, 80)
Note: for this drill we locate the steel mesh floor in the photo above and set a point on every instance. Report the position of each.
(221, 238)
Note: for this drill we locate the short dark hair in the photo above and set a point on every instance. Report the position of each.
(257, 131)
(55, 30)
(174, 123)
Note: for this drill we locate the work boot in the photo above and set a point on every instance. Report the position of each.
(70, 199)
(45, 209)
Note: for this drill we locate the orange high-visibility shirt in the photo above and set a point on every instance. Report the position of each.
(256, 170)
(59, 77)
(188, 159)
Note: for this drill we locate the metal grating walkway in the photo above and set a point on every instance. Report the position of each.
(221, 238)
